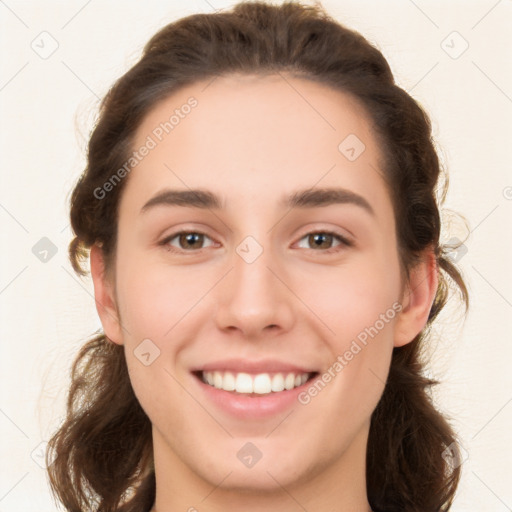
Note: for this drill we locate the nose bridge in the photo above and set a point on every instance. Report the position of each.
(252, 298)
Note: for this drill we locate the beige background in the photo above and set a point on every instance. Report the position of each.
(47, 110)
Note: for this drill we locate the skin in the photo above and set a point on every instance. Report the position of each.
(253, 140)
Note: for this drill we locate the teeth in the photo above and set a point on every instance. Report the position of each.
(228, 381)
(262, 384)
(277, 382)
(243, 383)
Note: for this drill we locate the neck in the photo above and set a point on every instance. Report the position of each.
(339, 486)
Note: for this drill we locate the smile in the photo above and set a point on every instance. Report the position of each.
(260, 384)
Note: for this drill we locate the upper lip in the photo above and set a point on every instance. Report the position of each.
(252, 366)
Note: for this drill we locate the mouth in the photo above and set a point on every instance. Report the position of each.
(254, 384)
(253, 389)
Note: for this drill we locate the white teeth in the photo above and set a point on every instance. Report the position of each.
(228, 382)
(289, 382)
(277, 382)
(217, 379)
(243, 383)
(262, 384)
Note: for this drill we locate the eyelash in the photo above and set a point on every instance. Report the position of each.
(344, 242)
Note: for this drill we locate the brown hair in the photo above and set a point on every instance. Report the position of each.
(102, 453)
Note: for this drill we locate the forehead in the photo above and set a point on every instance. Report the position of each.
(276, 131)
(259, 109)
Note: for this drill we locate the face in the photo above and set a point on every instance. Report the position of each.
(256, 239)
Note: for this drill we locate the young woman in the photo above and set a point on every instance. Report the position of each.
(259, 207)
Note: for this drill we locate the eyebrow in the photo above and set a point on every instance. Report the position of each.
(308, 198)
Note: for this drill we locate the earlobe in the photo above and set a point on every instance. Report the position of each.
(104, 297)
(419, 294)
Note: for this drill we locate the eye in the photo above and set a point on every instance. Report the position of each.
(324, 240)
(193, 241)
(186, 240)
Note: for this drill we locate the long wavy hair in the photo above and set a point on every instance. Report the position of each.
(101, 456)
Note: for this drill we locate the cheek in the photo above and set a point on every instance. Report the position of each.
(360, 308)
(350, 298)
(360, 305)
(153, 298)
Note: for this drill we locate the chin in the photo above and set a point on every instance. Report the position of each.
(248, 473)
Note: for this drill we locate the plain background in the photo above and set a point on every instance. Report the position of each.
(48, 106)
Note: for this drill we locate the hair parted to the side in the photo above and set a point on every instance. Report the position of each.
(101, 457)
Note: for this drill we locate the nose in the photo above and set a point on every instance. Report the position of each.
(254, 299)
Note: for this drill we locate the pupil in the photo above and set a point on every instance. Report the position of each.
(188, 238)
(320, 238)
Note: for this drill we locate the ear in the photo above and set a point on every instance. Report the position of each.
(105, 297)
(417, 299)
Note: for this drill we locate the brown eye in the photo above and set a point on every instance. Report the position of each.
(191, 240)
(320, 240)
(186, 241)
(324, 241)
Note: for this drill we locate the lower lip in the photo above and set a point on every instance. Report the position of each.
(252, 407)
